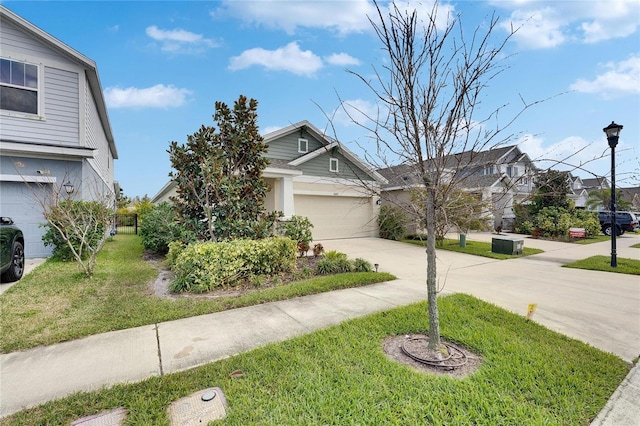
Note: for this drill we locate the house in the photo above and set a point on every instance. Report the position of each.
(578, 193)
(501, 177)
(54, 127)
(314, 176)
(632, 195)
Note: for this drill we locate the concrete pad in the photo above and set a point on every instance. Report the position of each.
(192, 410)
(110, 418)
(45, 373)
(195, 341)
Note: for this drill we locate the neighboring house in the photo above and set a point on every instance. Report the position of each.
(598, 182)
(313, 175)
(54, 127)
(579, 195)
(501, 177)
(632, 195)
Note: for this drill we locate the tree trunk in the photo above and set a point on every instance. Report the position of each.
(432, 284)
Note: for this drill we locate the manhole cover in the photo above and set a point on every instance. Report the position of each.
(198, 408)
(109, 418)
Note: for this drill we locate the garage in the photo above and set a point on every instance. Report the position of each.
(19, 203)
(337, 217)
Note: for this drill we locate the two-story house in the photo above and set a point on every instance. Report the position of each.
(54, 127)
(314, 176)
(501, 177)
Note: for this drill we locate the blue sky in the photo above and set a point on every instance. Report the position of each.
(164, 64)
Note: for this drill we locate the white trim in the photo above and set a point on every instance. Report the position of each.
(306, 145)
(29, 179)
(45, 150)
(334, 165)
(334, 180)
(332, 194)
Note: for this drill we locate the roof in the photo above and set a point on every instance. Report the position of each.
(89, 65)
(328, 143)
(470, 162)
(599, 182)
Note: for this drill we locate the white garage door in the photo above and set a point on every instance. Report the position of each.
(337, 217)
(18, 202)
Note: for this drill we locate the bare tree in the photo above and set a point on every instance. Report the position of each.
(429, 91)
(80, 226)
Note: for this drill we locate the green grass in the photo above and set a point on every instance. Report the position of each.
(54, 303)
(340, 375)
(477, 248)
(603, 263)
(636, 245)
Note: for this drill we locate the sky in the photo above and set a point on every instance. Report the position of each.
(164, 64)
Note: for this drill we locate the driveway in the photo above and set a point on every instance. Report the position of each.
(599, 308)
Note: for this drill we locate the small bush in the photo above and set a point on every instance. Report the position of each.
(201, 267)
(333, 262)
(392, 222)
(297, 228)
(361, 265)
(84, 223)
(160, 228)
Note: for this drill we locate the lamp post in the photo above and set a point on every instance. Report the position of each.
(613, 133)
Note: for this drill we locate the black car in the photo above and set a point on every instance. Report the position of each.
(625, 222)
(11, 251)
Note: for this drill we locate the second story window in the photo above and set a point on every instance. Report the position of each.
(333, 165)
(18, 86)
(512, 171)
(489, 170)
(303, 145)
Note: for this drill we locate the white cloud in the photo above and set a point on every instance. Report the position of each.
(355, 111)
(342, 59)
(288, 58)
(536, 28)
(342, 17)
(570, 21)
(158, 96)
(618, 79)
(179, 41)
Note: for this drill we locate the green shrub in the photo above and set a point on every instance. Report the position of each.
(392, 222)
(160, 227)
(333, 262)
(361, 265)
(297, 228)
(203, 266)
(587, 220)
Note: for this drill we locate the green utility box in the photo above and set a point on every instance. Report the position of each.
(504, 245)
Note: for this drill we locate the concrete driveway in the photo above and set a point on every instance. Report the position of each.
(599, 308)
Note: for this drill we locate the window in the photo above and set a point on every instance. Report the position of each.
(489, 170)
(333, 165)
(303, 145)
(512, 171)
(18, 86)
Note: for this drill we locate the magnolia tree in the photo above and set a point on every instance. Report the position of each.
(429, 92)
(218, 174)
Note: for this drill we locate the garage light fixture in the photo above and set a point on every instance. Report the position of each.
(69, 188)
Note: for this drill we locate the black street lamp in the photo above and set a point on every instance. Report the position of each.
(613, 133)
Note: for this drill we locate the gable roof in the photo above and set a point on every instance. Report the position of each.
(599, 182)
(91, 70)
(472, 162)
(328, 144)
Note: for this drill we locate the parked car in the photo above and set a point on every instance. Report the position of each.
(11, 251)
(625, 222)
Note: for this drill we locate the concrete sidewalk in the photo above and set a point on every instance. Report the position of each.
(602, 309)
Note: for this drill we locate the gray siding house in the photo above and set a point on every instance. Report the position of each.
(54, 127)
(313, 175)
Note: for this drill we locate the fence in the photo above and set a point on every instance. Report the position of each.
(126, 224)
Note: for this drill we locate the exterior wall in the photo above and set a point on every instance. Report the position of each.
(102, 161)
(58, 121)
(286, 147)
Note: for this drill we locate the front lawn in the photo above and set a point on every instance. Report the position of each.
(477, 248)
(529, 376)
(54, 303)
(603, 263)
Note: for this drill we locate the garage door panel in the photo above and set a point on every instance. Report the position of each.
(337, 217)
(18, 202)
